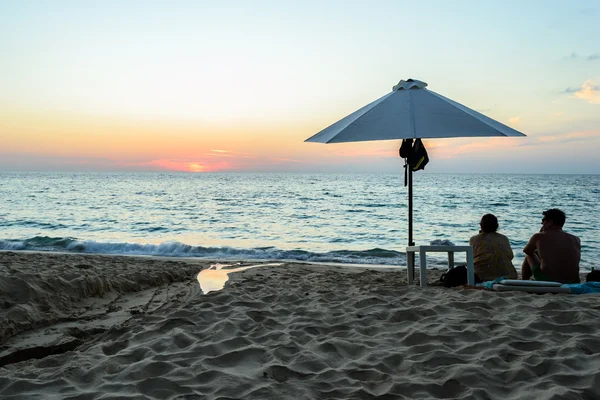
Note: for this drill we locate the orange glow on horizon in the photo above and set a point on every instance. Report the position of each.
(195, 167)
(66, 135)
(96, 143)
(188, 166)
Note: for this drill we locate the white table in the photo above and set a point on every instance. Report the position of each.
(422, 250)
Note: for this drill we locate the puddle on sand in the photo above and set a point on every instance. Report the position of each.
(215, 277)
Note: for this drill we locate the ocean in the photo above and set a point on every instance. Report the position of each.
(324, 217)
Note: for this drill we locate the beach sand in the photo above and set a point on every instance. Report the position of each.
(92, 326)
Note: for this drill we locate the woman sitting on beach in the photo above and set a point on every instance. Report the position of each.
(492, 253)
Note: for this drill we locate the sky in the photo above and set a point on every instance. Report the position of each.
(210, 86)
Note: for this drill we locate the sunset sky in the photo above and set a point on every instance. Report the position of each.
(206, 86)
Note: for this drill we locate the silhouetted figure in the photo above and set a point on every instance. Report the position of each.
(593, 276)
(552, 254)
(492, 253)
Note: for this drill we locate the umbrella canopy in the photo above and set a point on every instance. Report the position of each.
(411, 111)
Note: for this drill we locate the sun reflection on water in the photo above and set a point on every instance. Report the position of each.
(215, 277)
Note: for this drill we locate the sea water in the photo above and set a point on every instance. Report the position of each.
(326, 217)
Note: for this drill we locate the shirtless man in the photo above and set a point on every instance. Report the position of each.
(552, 254)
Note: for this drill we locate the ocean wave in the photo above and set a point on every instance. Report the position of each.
(37, 243)
(32, 224)
(177, 249)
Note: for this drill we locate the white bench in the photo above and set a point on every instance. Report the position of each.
(422, 250)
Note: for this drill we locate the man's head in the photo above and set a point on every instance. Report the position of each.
(553, 218)
(489, 223)
(593, 276)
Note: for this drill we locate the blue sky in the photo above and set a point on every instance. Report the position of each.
(147, 85)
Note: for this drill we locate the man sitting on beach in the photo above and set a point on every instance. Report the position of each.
(552, 254)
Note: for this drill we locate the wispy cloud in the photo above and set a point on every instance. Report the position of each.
(479, 145)
(235, 161)
(567, 137)
(512, 145)
(227, 153)
(574, 57)
(288, 160)
(571, 90)
(588, 91)
(367, 153)
(514, 120)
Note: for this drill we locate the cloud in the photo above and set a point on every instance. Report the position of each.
(567, 137)
(462, 146)
(365, 152)
(571, 90)
(509, 145)
(593, 57)
(570, 142)
(208, 163)
(572, 56)
(514, 120)
(227, 153)
(588, 91)
(288, 160)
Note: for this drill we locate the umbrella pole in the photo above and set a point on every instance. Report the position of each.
(410, 207)
(410, 224)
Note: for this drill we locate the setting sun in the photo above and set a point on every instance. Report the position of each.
(193, 167)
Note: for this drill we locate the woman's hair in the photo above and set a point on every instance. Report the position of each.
(489, 223)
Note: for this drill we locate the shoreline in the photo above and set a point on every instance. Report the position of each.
(436, 261)
(390, 267)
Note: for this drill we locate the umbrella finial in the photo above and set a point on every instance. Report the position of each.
(410, 84)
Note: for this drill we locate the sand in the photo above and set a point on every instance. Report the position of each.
(91, 327)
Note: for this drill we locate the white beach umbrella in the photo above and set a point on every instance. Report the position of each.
(411, 111)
